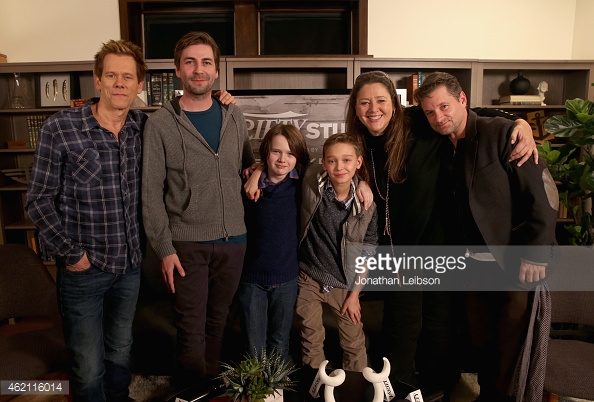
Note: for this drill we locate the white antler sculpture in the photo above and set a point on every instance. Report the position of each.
(377, 379)
(331, 381)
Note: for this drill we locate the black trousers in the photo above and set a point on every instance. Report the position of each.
(419, 334)
(497, 325)
(202, 300)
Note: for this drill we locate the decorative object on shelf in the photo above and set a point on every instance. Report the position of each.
(331, 381)
(258, 378)
(54, 90)
(542, 87)
(520, 100)
(17, 93)
(519, 85)
(20, 175)
(402, 97)
(380, 381)
(573, 167)
(16, 144)
(3, 58)
(536, 120)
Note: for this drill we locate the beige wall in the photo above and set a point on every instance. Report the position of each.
(60, 30)
(56, 30)
(478, 29)
(581, 44)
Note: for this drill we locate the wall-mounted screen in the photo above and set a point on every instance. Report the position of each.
(162, 31)
(283, 33)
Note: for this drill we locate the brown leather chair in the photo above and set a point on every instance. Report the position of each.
(31, 339)
(570, 362)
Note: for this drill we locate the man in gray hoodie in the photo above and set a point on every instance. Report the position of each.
(194, 151)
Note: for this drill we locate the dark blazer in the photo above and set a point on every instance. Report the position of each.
(510, 205)
(413, 202)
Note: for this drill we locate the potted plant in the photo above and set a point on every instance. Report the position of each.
(572, 166)
(258, 378)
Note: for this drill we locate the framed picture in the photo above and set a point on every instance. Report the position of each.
(402, 97)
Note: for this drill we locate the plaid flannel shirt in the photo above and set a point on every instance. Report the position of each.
(84, 190)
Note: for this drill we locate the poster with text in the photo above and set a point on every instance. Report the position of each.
(316, 116)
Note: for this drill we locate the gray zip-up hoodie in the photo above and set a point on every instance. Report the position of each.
(189, 192)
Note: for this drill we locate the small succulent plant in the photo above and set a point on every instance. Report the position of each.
(257, 376)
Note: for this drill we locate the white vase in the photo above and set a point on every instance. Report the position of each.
(276, 397)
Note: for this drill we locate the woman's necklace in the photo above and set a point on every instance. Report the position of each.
(375, 180)
(386, 198)
(387, 230)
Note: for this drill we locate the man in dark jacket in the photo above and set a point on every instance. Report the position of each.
(496, 205)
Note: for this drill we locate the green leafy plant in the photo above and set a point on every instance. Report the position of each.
(572, 166)
(257, 377)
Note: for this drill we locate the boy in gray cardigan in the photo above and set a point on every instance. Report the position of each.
(331, 213)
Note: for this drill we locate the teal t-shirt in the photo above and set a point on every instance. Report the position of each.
(208, 123)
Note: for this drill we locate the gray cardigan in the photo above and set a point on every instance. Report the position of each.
(189, 192)
(359, 231)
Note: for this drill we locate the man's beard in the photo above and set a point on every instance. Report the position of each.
(448, 130)
(199, 90)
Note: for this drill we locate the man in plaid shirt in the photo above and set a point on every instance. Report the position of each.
(84, 197)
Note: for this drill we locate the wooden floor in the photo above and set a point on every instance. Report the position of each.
(465, 391)
(34, 398)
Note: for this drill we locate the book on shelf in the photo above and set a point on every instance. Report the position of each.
(520, 100)
(17, 144)
(421, 78)
(34, 123)
(167, 87)
(159, 88)
(412, 83)
(170, 87)
(30, 132)
(147, 88)
(164, 89)
(77, 102)
(156, 85)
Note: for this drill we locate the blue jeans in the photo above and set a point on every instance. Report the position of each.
(97, 311)
(267, 313)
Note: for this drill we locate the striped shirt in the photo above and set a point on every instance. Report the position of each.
(84, 189)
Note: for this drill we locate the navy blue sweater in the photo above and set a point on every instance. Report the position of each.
(272, 234)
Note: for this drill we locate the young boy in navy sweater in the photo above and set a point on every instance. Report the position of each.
(268, 286)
